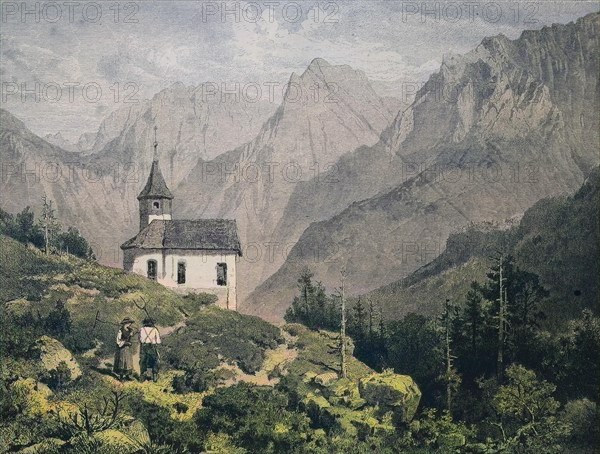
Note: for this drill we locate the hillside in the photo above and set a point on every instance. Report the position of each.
(518, 127)
(58, 394)
(556, 239)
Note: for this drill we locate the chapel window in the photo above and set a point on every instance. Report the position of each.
(221, 273)
(181, 273)
(152, 269)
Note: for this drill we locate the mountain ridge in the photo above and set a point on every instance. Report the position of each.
(510, 115)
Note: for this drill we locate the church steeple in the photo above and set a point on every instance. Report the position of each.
(155, 199)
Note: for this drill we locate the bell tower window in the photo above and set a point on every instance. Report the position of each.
(156, 204)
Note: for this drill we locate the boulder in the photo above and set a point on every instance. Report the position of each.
(51, 353)
(18, 307)
(31, 397)
(390, 391)
(326, 378)
(344, 392)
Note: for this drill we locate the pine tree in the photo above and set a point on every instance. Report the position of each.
(451, 377)
(49, 223)
(344, 367)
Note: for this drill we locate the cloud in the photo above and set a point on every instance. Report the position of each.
(177, 41)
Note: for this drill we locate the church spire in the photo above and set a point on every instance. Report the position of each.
(155, 199)
(155, 158)
(156, 187)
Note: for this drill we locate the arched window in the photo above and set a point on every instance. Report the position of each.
(181, 273)
(151, 269)
(221, 273)
(156, 204)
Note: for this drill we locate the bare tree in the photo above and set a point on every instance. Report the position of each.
(49, 222)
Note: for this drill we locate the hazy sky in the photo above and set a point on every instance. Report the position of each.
(123, 51)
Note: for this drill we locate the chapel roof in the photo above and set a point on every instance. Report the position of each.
(156, 187)
(201, 234)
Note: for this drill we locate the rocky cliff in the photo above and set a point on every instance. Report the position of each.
(487, 136)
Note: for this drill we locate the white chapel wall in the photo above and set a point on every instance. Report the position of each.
(201, 271)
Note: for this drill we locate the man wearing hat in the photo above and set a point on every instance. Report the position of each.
(123, 365)
(149, 356)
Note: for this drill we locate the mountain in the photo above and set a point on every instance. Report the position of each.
(557, 239)
(92, 194)
(327, 112)
(487, 136)
(193, 123)
(94, 183)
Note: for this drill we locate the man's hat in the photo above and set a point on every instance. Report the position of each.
(126, 320)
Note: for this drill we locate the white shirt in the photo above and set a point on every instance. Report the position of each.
(149, 335)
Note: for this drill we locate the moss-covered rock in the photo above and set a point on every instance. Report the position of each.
(116, 439)
(48, 445)
(31, 397)
(326, 378)
(395, 392)
(52, 353)
(344, 392)
(315, 402)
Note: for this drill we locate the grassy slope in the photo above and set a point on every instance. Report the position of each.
(199, 336)
(557, 239)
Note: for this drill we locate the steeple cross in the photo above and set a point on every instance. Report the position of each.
(155, 144)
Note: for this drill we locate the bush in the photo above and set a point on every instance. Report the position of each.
(255, 417)
(582, 416)
(58, 378)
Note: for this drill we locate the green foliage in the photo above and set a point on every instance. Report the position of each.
(214, 335)
(24, 228)
(413, 348)
(72, 242)
(255, 418)
(58, 378)
(21, 227)
(437, 430)
(583, 418)
(58, 322)
(526, 413)
(312, 307)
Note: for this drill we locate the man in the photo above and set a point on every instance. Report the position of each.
(149, 356)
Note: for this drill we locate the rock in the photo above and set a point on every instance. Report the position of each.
(48, 445)
(314, 401)
(117, 440)
(315, 406)
(344, 392)
(395, 392)
(51, 353)
(326, 378)
(309, 376)
(31, 397)
(18, 307)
